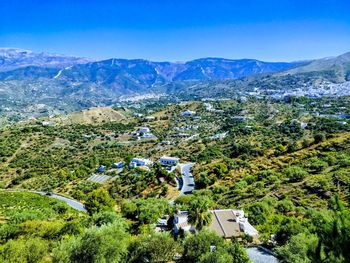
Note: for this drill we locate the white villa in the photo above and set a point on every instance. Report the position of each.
(226, 223)
(181, 222)
(166, 160)
(187, 113)
(144, 130)
(140, 162)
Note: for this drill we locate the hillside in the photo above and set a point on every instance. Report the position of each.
(340, 65)
(90, 116)
(284, 162)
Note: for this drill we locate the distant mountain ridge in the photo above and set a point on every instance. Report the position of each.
(62, 83)
(199, 69)
(150, 72)
(14, 58)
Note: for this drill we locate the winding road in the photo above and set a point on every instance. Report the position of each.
(71, 202)
(187, 178)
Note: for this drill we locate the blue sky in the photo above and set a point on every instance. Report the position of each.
(272, 30)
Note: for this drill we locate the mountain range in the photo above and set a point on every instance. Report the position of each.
(144, 71)
(13, 58)
(71, 83)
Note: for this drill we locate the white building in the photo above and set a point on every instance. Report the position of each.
(166, 160)
(118, 165)
(181, 222)
(147, 136)
(144, 130)
(187, 113)
(140, 162)
(227, 223)
(150, 118)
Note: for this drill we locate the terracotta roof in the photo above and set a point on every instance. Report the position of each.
(224, 223)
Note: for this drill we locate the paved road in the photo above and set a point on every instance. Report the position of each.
(71, 202)
(187, 178)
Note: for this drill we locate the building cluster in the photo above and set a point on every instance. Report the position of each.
(143, 163)
(144, 133)
(227, 223)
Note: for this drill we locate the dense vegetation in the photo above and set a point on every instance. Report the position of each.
(286, 163)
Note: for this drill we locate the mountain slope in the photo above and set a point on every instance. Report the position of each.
(339, 65)
(221, 69)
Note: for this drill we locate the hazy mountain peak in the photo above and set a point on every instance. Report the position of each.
(13, 58)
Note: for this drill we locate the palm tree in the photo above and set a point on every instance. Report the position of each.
(199, 214)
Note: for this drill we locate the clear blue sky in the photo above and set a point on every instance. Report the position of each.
(177, 30)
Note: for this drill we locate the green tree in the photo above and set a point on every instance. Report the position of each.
(333, 231)
(199, 214)
(105, 244)
(300, 248)
(220, 256)
(105, 218)
(295, 173)
(153, 248)
(197, 245)
(98, 200)
(238, 253)
(146, 211)
(30, 250)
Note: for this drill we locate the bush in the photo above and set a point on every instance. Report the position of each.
(295, 173)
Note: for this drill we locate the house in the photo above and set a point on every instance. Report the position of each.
(118, 165)
(147, 136)
(144, 130)
(219, 136)
(166, 160)
(227, 223)
(101, 169)
(187, 113)
(138, 115)
(140, 162)
(231, 223)
(149, 118)
(47, 124)
(166, 142)
(181, 222)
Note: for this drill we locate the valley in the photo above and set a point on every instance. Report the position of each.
(282, 161)
(242, 155)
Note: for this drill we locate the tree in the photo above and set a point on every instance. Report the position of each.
(98, 200)
(31, 250)
(208, 247)
(105, 218)
(107, 243)
(153, 248)
(238, 253)
(146, 211)
(299, 248)
(197, 245)
(295, 173)
(199, 214)
(333, 231)
(216, 257)
(220, 170)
